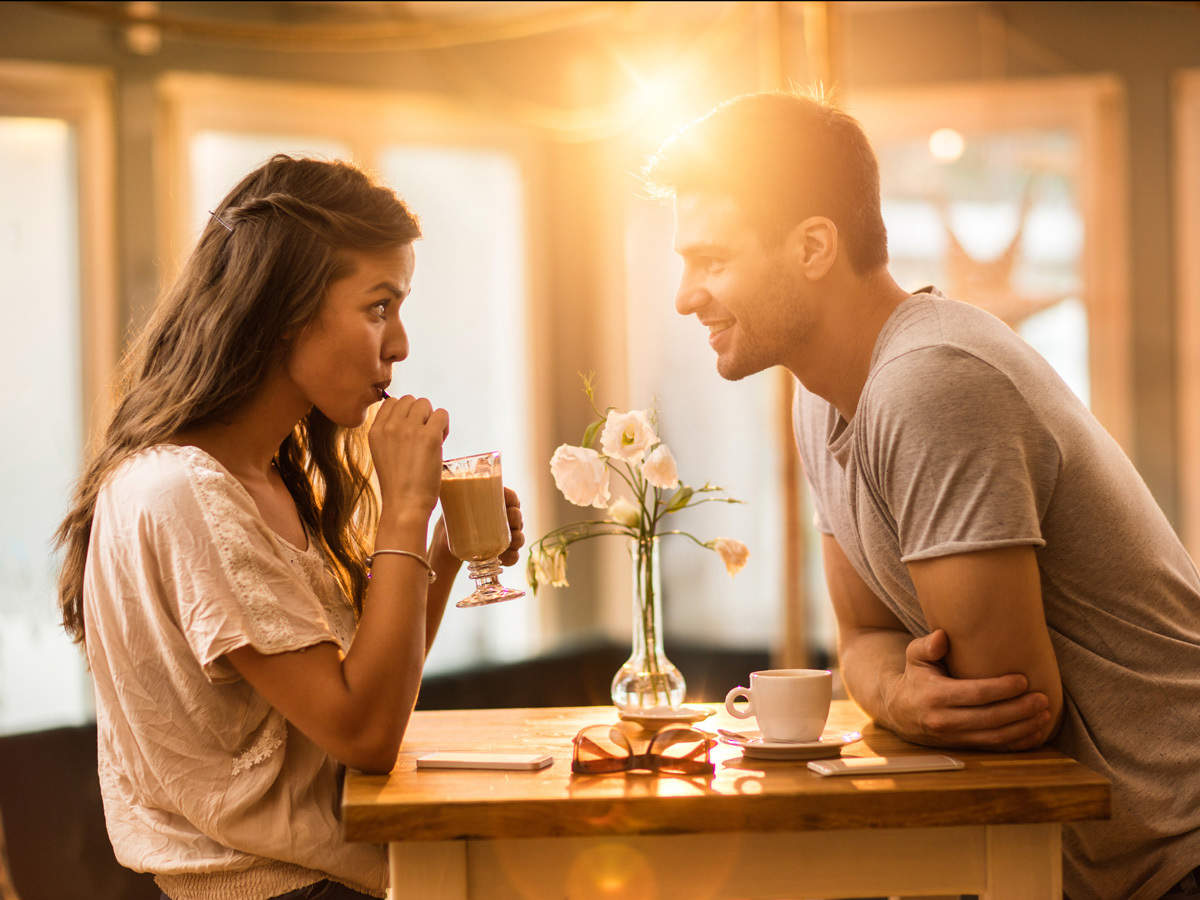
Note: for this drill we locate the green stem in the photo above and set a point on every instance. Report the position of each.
(644, 562)
(617, 529)
(687, 535)
(692, 503)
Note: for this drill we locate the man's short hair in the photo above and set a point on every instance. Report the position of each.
(782, 157)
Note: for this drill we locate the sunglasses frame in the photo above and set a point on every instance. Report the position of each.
(651, 760)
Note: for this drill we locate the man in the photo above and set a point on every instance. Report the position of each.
(966, 497)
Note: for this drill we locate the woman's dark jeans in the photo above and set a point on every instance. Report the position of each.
(321, 890)
(1188, 886)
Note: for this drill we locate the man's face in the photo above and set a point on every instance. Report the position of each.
(738, 289)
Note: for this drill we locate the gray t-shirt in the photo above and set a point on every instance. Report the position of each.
(966, 439)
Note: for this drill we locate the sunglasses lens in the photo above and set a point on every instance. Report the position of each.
(600, 748)
(683, 750)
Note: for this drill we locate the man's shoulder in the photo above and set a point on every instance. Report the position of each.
(946, 384)
(932, 321)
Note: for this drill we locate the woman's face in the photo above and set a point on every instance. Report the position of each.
(342, 360)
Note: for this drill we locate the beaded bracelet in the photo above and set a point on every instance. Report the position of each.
(417, 556)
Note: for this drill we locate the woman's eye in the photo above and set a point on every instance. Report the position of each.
(380, 309)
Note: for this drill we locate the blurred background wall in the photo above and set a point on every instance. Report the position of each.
(1037, 158)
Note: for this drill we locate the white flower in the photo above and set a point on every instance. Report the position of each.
(581, 474)
(543, 567)
(627, 435)
(549, 566)
(559, 577)
(625, 513)
(733, 553)
(659, 468)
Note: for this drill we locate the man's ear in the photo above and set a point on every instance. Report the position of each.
(813, 246)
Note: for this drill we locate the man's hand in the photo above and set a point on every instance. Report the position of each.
(927, 706)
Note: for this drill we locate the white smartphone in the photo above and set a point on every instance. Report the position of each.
(471, 759)
(883, 765)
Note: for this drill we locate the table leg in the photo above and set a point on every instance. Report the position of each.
(1024, 862)
(427, 870)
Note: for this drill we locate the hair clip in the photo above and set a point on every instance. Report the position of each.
(228, 227)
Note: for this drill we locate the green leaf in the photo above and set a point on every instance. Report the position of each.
(680, 500)
(590, 435)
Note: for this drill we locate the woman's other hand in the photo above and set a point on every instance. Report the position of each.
(516, 524)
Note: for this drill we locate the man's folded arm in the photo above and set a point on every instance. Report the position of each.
(903, 684)
(989, 603)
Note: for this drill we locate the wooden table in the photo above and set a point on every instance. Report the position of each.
(755, 829)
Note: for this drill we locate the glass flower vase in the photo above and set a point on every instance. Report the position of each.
(647, 679)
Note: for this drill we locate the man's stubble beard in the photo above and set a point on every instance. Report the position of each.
(784, 321)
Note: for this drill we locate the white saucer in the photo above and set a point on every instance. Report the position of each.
(758, 748)
(661, 715)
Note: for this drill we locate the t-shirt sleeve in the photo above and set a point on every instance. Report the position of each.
(228, 576)
(958, 458)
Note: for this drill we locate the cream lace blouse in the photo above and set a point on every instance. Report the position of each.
(204, 783)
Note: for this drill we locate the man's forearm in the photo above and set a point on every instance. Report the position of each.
(902, 684)
(871, 659)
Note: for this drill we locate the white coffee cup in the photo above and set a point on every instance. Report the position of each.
(789, 704)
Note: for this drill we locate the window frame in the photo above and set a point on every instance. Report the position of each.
(83, 97)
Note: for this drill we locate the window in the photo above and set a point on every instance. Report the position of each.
(996, 221)
(1005, 195)
(468, 188)
(56, 257)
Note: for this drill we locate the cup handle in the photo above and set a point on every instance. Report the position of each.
(739, 693)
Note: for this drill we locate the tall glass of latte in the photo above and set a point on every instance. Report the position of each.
(473, 505)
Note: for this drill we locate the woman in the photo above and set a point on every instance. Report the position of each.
(217, 546)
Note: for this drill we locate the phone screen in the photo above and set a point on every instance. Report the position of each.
(882, 765)
(467, 759)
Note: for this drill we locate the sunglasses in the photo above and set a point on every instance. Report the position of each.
(599, 749)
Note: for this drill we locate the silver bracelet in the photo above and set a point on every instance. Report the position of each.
(417, 556)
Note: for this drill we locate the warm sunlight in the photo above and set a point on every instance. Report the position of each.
(946, 145)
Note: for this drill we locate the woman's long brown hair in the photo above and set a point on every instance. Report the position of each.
(257, 275)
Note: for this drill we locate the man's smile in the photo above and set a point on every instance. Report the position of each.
(716, 328)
